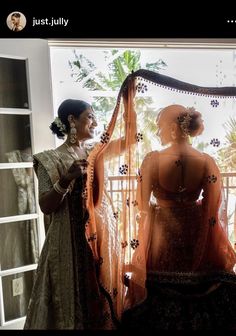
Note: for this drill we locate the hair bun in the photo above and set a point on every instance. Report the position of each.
(195, 124)
(56, 130)
(190, 121)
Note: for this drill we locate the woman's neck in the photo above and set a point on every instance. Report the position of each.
(181, 144)
(78, 143)
(77, 150)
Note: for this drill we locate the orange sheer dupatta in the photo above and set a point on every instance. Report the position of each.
(118, 154)
(114, 156)
(215, 251)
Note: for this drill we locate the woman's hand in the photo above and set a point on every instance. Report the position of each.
(50, 201)
(77, 169)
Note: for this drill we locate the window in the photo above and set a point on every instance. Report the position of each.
(95, 74)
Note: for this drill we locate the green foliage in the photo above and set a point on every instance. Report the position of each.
(120, 65)
(230, 127)
(157, 65)
(227, 155)
(201, 146)
(81, 67)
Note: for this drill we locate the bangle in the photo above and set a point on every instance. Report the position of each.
(58, 188)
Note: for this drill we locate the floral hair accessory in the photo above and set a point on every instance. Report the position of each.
(60, 125)
(185, 118)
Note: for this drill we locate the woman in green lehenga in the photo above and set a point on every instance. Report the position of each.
(68, 292)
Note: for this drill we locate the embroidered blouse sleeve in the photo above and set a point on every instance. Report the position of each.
(44, 181)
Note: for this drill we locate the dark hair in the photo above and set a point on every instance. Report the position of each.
(195, 122)
(67, 107)
(17, 15)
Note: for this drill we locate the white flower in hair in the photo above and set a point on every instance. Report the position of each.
(184, 120)
(60, 124)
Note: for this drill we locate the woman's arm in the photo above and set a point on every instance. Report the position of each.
(211, 187)
(51, 200)
(145, 183)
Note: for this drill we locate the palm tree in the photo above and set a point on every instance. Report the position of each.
(120, 64)
(200, 145)
(227, 160)
(227, 155)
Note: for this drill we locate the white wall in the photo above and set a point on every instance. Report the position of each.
(36, 51)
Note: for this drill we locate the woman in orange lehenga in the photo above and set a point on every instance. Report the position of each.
(184, 254)
(177, 263)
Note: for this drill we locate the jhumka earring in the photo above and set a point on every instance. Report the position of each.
(73, 132)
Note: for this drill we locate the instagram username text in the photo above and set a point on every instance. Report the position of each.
(50, 22)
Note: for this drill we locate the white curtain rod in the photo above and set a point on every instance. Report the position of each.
(147, 43)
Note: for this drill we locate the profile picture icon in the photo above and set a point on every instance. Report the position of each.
(16, 21)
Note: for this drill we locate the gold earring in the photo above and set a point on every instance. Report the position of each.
(73, 131)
